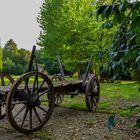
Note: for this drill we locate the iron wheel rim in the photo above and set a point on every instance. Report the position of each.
(92, 94)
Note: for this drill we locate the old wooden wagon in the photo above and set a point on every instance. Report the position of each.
(28, 102)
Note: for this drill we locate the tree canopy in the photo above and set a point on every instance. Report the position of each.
(72, 30)
(14, 60)
(125, 48)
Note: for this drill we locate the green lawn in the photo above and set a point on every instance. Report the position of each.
(115, 98)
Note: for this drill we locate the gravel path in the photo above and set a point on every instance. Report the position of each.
(68, 124)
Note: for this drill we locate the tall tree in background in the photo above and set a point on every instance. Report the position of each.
(10, 50)
(71, 29)
(50, 64)
(23, 56)
(15, 60)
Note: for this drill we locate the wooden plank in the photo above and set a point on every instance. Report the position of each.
(66, 83)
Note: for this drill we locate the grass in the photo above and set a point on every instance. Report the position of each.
(124, 90)
(43, 135)
(116, 98)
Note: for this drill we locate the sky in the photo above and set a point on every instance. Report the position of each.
(18, 21)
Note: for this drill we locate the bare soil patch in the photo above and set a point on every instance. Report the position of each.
(69, 124)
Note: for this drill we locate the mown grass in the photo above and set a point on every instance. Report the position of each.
(116, 98)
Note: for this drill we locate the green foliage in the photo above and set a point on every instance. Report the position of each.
(71, 29)
(42, 135)
(14, 60)
(50, 64)
(125, 45)
(8, 66)
(10, 50)
(23, 57)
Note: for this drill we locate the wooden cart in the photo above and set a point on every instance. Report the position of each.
(28, 102)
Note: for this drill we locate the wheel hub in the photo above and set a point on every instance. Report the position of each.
(33, 102)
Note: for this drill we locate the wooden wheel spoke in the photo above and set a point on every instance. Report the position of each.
(95, 101)
(41, 84)
(96, 94)
(27, 87)
(42, 93)
(20, 102)
(34, 84)
(94, 83)
(30, 118)
(22, 94)
(44, 100)
(37, 115)
(90, 93)
(20, 111)
(95, 88)
(24, 117)
(39, 88)
(92, 101)
(41, 108)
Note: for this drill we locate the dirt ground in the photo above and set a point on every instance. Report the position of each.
(68, 124)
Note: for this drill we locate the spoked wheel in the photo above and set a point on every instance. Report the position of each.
(6, 82)
(58, 98)
(92, 94)
(32, 102)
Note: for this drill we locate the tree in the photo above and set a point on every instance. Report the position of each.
(126, 43)
(10, 50)
(125, 49)
(23, 57)
(50, 64)
(71, 29)
(8, 66)
(18, 59)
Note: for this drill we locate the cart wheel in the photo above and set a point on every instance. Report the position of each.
(58, 99)
(32, 102)
(5, 84)
(92, 94)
